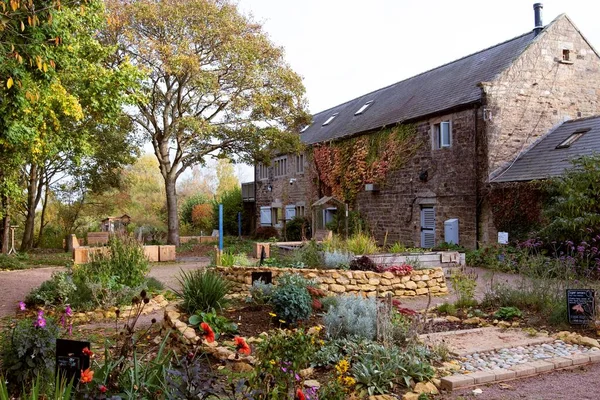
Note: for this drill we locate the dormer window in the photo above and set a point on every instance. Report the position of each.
(364, 108)
(572, 138)
(330, 119)
(305, 128)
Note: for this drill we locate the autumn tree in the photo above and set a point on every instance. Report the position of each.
(227, 180)
(217, 85)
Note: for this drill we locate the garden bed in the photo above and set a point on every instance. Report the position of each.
(332, 281)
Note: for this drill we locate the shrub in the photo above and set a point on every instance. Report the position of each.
(291, 300)
(352, 316)
(27, 352)
(464, 285)
(293, 229)
(363, 263)
(361, 243)
(197, 212)
(154, 285)
(202, 290)
(125, 264)
(232, 204)
(447, 308)
(219, 324)
(338, 259)
(309, 255)
(230, 259)
(266, 233)
(59, 289)
(261, 292)
(328, 302)
(508, 313)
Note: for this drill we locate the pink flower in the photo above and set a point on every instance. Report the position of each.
(40, 323)
(22, 306)
(68, 311)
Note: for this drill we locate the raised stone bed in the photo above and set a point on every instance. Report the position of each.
(333, 281)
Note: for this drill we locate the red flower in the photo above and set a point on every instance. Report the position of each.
(87, 375)
(300, 395)
(242, 346)
(87, 352)
(208, 332)
(102, 389)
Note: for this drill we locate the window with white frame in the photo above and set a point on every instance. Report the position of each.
(265, 216)
(263, 171)
(280, 166)
(442, 135)
(300, 164)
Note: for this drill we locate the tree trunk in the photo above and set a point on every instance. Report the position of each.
(172, 212)
(5, 228)
(43, 214)
(34, 194)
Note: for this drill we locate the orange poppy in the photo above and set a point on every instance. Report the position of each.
(86, 376)
(242, 346)
(300, 395)
(208, 332)
(86, 351)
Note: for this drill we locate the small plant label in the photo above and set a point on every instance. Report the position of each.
(503, 237)
(581, 306)
(71, 358)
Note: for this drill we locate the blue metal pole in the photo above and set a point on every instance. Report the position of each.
(221, 227)
(239, 224)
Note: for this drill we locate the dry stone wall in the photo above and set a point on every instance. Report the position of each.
(333, 281)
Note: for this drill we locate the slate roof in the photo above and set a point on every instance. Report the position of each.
(439, 89)
(543, 160)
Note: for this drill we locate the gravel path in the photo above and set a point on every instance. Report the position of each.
(15, 285)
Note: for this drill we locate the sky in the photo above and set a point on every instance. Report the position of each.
(346, 48)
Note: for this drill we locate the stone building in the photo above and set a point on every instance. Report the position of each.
(471, 118)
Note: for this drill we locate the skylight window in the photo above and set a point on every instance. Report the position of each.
(364, 107)
(305, 128)
(330, 119)
(572, 138)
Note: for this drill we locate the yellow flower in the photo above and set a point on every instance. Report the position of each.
(272, 362)
(321, 342)
(282, 321)
(349, 381)
(272, 314)
(342, 367)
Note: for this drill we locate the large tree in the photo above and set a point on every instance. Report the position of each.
(217, 85)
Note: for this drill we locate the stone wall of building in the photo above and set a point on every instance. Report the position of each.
(450, 186)
(419, 282)
(537, 92)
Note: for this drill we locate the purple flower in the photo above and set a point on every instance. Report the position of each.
(70, 329)
(41, 322)
(68, 311)
(22, 306)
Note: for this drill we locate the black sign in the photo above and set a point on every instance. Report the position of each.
(581, 306)
(70, 358)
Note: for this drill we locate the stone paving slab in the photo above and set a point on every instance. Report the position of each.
(460, 381)
(481, 340)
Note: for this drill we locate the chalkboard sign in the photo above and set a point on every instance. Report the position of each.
(581, 306)
(70, 358)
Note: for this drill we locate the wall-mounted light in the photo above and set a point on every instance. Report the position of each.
(269, 188)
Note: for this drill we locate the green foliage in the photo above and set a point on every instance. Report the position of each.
(362, 243)
(291, 300)
(508, 313)
(309, 255)
(293, 229)
(352, 316)
(329, 301)
(332, 390)
(125, 264)
(154, 285)
(202, 290)
(573, 212)
(230, 260)
(27, 353)
(260, 292)
(338, 259)
(232, 204)
(218, 323)
(464, 285)
(447, 308)
(11, 263)
(59, 289)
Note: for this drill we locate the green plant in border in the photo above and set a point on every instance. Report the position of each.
(218, 323)
(202, 290)
(508, 313)
(464, 284)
